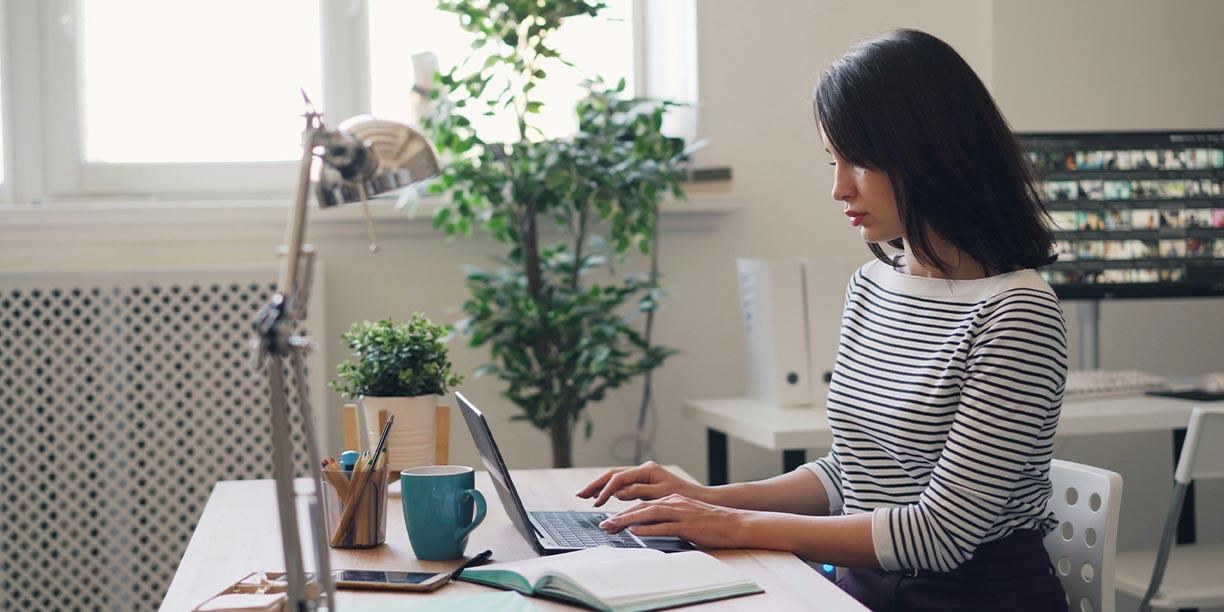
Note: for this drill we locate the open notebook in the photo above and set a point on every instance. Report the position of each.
(619, 579)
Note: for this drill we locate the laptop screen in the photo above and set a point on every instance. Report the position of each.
(491, 456)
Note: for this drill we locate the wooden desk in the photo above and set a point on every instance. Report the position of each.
(238, 533)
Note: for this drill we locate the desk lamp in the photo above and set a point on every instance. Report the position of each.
(363, 158)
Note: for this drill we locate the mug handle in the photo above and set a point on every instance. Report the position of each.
(463, 532)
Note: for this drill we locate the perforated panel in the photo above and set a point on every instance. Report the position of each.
(122, 401)
(1086, 502)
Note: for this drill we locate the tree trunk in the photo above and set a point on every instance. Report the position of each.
(561, 432)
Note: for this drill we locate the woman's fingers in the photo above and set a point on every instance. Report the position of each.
(676, 515)
(646, 481)
(669, 528)
(622, 479)
(639, 491)
(597, 485)
(651, 512)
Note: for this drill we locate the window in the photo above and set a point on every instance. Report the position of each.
(603, 45)
(222, 88)
(170, 98)
(203, 98)
(5, 137)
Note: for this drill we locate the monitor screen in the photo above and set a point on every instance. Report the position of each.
(1136, 214)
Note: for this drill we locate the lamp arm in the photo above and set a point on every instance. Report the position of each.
(273, 343)
(296, 228)
(367, 155)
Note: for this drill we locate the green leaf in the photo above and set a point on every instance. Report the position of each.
(560, 327)
(441, 217)
(396, 359)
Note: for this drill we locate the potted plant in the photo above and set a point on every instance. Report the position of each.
(400, 369)
(563, 329)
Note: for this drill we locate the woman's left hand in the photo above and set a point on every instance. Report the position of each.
(676, 515)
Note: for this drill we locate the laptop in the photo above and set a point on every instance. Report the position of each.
(550, 532)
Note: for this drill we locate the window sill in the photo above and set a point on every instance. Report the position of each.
(108, 220)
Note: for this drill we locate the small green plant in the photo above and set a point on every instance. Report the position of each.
(396, 359)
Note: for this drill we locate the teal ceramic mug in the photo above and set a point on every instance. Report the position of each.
(438, 502)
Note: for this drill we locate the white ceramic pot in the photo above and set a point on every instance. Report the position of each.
(412, 438)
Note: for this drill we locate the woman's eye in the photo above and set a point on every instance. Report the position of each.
(832, 163)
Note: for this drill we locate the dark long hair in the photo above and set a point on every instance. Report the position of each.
(908, 105)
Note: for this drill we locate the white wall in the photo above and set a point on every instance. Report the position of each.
(1101, 64)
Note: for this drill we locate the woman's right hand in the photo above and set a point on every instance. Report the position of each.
(647, 481)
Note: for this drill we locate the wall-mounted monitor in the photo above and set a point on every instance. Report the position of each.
(1137, 214)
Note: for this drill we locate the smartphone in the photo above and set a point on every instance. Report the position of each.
(394, 581)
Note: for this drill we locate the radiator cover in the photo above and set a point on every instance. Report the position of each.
(123, 399)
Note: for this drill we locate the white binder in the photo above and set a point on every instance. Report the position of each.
(773, 296)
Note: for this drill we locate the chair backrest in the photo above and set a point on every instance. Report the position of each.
(1202, 455)
(1083, 546)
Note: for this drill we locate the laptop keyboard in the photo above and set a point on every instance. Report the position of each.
(581, 530)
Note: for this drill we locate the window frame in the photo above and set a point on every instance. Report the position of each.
(68, 176)
(41, 35)
(7, 107)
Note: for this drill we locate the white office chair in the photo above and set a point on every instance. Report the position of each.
(1189, 575)
(1086, 502)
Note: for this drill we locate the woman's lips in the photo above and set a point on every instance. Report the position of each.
(856, 218)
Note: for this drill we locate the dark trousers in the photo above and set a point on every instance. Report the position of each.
(1012, 574)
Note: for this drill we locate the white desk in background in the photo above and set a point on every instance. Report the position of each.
(794, 429)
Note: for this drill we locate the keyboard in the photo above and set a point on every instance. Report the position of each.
(1087, 384)
(581, 530)
(1210, 383)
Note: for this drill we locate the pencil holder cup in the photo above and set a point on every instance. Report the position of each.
(355, 507)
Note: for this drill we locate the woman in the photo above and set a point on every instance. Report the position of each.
(950, 370)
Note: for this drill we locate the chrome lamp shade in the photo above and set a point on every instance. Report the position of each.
(366, 156)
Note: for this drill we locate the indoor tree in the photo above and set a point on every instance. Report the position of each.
(562, 327)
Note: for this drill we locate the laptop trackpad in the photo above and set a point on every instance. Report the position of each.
(666, 543)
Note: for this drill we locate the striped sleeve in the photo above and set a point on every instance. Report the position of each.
(828, 470)
(1015, 368)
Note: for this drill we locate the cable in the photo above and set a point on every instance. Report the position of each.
(642, 439)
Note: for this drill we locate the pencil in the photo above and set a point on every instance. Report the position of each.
(360, 478)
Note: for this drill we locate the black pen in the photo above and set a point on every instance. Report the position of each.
(474, 561)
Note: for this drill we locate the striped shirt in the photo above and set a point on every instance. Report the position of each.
(943, 405)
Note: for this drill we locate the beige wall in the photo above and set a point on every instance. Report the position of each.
(1052, 66)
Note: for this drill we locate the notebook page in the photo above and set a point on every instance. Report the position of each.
(533, 569)
(680, 573)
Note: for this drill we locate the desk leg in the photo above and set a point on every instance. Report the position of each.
(716, 456)
(1185, 523)
(793, 458)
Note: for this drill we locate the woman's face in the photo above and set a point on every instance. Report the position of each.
(867, 198)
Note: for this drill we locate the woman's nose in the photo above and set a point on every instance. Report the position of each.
(843, 189)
